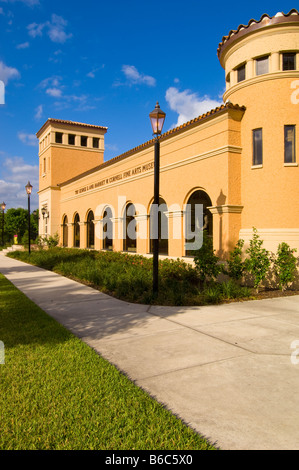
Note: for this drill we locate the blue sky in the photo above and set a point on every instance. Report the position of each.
(107, 63)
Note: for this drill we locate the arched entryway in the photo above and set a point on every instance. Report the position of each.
(162, 227)
(197, 218)
(90, 230)
(76, 241)
(129, 235)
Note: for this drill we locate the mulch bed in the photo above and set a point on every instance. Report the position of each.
(273, 293)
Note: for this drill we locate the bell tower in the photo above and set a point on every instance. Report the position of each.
(66, 149)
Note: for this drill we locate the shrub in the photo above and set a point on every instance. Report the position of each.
(285, 265)
(206, 262)
(236, 266)
(50, 241)
(259, 260)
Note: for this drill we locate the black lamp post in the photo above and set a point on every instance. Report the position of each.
(28, 191)
(3, 205)
(157, 118)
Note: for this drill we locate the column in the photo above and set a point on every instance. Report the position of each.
(98, 233)
(274, 62)
(176, 233)
(70, 234)
(118, 241)
(83, 235)
(226, 228)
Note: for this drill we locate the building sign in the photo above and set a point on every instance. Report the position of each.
(113, 179)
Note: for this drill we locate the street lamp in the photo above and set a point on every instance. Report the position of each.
(157, 117)
(3, 205)
(28, 191)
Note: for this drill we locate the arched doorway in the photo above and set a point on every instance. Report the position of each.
(76, 241)
(65, 231)
(197, 218)
(129, 235)
(162, 227)
(90, 230)
(107, 229)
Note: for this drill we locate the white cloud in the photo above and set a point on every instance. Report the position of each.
(16, 173)
(28, 139)
(52, 86)
(35, 29)
(55, 29)
(29, 3)
(188, 105)
(134, 77)
(24, 45)
(38, 112)
(8, 73)
(55, 92)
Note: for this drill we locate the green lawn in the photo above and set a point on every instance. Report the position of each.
(57, 393)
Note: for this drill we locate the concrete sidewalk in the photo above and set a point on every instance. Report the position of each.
(225, 370)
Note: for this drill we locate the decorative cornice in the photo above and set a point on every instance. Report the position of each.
(253, 25)
(226, 209)
(70, 124)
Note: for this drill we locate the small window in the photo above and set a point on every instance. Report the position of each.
(45, 165)
(241, 73)
(289, 61)
(262, 65)
(257, 141)
(83, 141)
(289, 144)
(71, 139)
(58, 137)
(95, 142)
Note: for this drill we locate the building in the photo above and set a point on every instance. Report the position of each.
(239, 160)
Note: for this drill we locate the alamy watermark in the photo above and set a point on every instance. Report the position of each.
(2, 92)
(2, 353)
(133, 222)
(295, 354)
(295, 93)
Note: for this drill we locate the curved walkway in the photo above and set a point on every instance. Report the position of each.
(229, 371)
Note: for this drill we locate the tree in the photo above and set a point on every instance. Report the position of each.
(16, 223)
(206, 262)
(285, 265)
(259, 260)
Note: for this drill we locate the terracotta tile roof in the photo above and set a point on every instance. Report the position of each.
(265, 20)
(147, 144)
(71, 123)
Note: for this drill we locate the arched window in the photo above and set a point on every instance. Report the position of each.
(197, 218)
(162, 227)
(90, 230)
(76, 242)
(129, 228)
(107, 230)
(65, 231)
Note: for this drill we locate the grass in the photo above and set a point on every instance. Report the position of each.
(56, 393)
(129, 277)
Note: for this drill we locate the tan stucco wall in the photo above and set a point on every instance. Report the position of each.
(198, 158)
(270, 192)
(213, 154)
